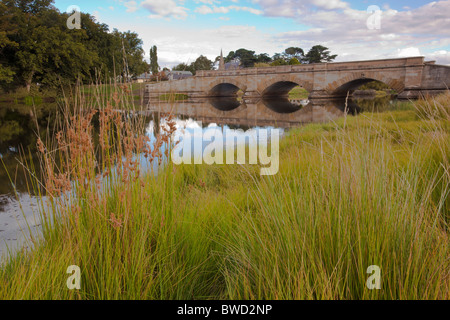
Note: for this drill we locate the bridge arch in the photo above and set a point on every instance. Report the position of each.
(274, 92)
(280, 88)
(281, 84)
(355, 80)
(225, 88)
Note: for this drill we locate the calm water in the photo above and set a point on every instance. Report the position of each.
(19, 124)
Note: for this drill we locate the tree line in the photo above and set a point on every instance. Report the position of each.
(249, 59)
(290, 56)
(37, 47)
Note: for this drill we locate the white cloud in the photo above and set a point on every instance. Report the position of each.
(248, 9)
(176, 45)
(207, 1)
(131, 6)
(408, 52)
(295, 8)
(420, 31)
(441, 56)
(345, 30)
(165, 9)
(330, 4)
(208, 10)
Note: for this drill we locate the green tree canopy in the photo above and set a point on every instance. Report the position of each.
(246, 57)
(319, 54)
(182, 67)
(263, 58)
(154, 66)
(201, 63)
(37, 47)
(295, 52)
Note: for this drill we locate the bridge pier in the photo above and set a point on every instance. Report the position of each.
(318, 94)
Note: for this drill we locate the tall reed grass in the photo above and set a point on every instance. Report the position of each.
(362, 191)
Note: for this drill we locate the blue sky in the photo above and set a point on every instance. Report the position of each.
(184, 29)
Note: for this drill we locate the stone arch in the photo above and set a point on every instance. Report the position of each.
(283, 78)
(274, 91)
(225, 87)
(356, 79)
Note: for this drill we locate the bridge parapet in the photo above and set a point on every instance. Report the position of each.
(332, 66)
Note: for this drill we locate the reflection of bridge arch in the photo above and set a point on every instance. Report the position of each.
(225, 88)
(226, 104)
(265, 112)
(355, 80)
(227, 113)
(281, 105)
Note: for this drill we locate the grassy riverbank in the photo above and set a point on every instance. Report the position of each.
(366, 190)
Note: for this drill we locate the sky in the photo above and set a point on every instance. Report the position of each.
(182, 30)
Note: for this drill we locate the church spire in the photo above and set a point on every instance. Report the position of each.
(222, 62)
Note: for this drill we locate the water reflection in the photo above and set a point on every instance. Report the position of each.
(282, 105)
(18, 123)
(225, 103)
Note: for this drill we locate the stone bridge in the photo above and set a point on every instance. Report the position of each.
(409, 77)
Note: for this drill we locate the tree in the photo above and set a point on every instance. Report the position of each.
(229, 57)
(6, 73)
(201, 63)
(263, 58)
(280, 59)
(294, 52)
(319, 54)
(247, 58)
(30, 6)
(154, 66)
(182, 67)
(132, 54)
(37, 47)
(262, 65)
(294, 61)
(279, 62)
